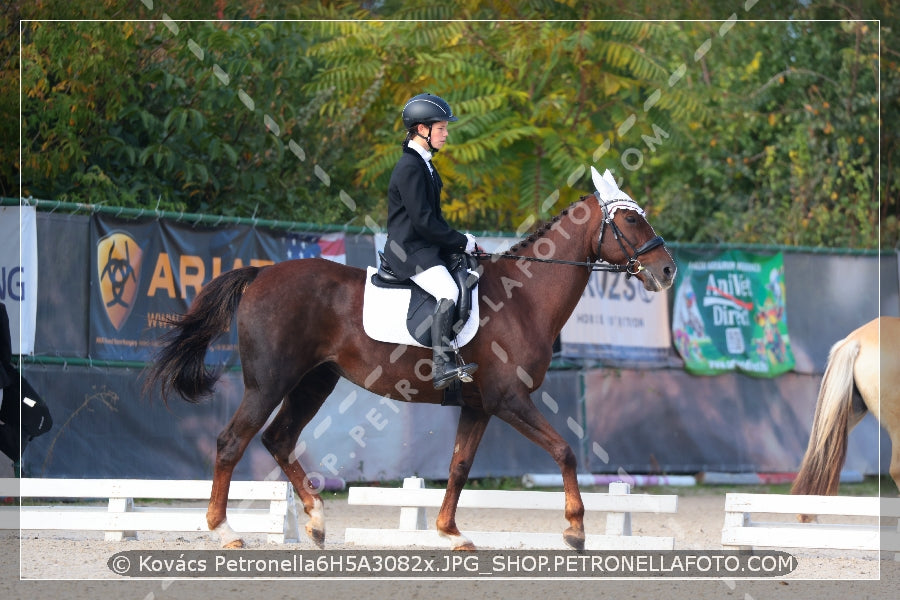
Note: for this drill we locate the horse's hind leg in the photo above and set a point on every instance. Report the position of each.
(280, 438)
(250, 416)
(895, 458)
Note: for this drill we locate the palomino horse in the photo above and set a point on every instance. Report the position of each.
(300, 329)
(861, 375)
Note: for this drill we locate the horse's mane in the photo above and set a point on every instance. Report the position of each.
(541, 229)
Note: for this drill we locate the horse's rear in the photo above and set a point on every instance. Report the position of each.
(296, 322)
(291, 318)
(851, 386)
(300, 329)
(888, 412)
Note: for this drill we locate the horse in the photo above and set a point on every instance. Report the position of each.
(300, 329)
(861, 375)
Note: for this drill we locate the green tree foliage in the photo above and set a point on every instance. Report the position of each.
(789, 152)
(174, 116)
(726, 130)
(523, 133)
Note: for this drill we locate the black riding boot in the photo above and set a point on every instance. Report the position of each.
(445, 367)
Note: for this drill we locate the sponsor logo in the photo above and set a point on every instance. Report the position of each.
(727, 296)
(119, 269)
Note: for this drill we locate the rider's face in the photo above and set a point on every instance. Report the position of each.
(438, 134)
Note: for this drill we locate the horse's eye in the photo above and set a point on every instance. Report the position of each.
(631, 219)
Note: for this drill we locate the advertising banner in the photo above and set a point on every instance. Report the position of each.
(729, 314)
(18, 274)
(146, 273)
(619, 323)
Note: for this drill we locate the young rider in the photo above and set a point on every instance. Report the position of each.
(419, 238)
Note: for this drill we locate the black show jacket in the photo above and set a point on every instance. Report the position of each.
(418, 234)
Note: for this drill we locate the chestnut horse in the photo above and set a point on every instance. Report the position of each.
(863, 373)
(300, 329)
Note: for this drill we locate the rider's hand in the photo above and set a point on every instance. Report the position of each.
(470, 244)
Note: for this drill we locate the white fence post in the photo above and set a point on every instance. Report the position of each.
(618, 523)
(413, 517)
(120, 505)
(742, 531)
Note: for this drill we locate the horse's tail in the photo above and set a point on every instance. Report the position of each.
(179, 364)
(820, 470)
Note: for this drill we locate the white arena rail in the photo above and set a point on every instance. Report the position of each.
(123, 516)
(413, 530)
(742, 532)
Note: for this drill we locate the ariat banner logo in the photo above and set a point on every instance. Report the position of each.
(119, 269)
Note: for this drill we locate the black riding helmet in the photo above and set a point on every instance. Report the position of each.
(427, 109)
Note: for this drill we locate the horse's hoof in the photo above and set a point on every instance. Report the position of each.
(315, 527)
(574, 538)
(458, 541)
(317, 535)
(234, 544)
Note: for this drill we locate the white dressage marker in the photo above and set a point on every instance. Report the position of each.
(122, 518)
(414, 530)
(742, 532)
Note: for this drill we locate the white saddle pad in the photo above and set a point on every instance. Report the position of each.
(384, 315)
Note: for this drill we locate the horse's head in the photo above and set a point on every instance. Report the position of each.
(626, 239)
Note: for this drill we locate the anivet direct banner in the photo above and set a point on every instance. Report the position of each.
(729, 314)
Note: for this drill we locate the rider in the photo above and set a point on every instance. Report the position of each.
(419, 238)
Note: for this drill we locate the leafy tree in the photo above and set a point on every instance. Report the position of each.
(790, 154)
(523, 134)
(725, 130)
(181, 117)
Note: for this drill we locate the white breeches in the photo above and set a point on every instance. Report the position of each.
(437, 282)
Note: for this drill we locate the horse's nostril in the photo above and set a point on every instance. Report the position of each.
(668, 271)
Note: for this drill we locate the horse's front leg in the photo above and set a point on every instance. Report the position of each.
(472, 423)
(520, 412)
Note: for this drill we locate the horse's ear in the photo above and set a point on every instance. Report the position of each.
(599, 183)
(608, 178)
(607, 187)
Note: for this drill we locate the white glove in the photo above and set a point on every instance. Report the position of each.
(470, 244)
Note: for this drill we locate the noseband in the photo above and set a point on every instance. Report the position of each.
(633, 266)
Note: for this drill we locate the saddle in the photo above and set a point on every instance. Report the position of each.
(465, 272)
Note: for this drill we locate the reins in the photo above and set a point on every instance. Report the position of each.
(630, 268)
(593, 266)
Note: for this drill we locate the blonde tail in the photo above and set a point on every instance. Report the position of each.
(820, 470)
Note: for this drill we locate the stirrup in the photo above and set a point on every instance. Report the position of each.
(464, 371)
(445, 379)
(458, 372)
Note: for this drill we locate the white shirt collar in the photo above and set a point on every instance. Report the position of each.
(425, 154)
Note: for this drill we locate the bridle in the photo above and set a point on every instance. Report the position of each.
(632, 267)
